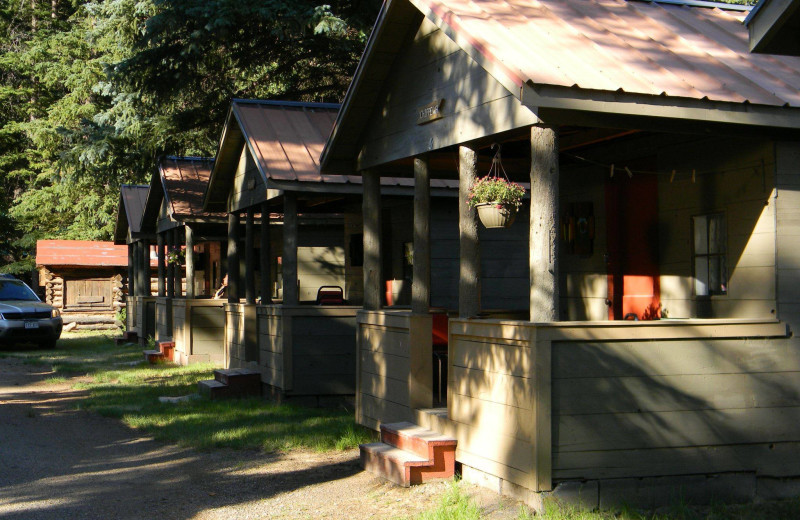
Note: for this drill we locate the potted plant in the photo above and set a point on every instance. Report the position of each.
(176, 257)
(497, 200)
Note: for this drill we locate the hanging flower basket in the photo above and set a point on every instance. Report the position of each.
(496, 198)
(496, 215)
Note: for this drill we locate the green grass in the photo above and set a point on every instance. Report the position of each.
(129, 392)
(456, 504)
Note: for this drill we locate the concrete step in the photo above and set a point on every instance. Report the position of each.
(168, 349)
(237, 376)
(409, 455)
(213, 389)
(153, 356)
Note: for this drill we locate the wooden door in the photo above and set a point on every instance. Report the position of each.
(632, 245)
(88, 294)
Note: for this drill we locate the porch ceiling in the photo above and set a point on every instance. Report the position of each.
(774, 27)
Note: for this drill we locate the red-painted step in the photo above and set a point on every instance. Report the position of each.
(409, 455)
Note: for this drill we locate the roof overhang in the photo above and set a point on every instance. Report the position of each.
(155, 197)
(774, 27)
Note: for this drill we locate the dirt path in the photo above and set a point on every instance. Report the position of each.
(57, 462)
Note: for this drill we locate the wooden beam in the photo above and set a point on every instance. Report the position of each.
(543, 242)
(421, 284)
(170, 265)
(176, 234)
(290, 294)
(371, 210)
(469, 281)
(250, 257)
(145, 278)
(131, 270)
(162, 265)
(233, 258)
(265, 257)
(189, 232)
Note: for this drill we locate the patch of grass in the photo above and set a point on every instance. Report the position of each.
(778, 510)
(455, 504)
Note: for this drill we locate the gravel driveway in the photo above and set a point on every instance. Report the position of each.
(57, 462)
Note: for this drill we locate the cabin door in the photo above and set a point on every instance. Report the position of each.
(632, 246)
(88, 294)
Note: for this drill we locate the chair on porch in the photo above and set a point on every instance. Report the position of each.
(330, 295)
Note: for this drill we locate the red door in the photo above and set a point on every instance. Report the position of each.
(632, 242)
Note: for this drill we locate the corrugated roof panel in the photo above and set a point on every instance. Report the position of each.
(636, 47)
(263, 139)
(185, 180)
(80, 253)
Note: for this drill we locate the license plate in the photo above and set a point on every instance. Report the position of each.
(31, 324)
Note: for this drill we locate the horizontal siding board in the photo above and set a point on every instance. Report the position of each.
(766, 459)
(509, 421)
(689, 392)
(394, 367)
(383, 411)
(384, 387)
(503, 359)
(572, 360)
(648, 430)
(492, 387)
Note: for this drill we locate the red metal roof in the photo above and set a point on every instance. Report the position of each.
(288, 139)
(623, 46)
(80, 253)
(185, 180)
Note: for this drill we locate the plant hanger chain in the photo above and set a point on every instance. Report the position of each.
(497, 164)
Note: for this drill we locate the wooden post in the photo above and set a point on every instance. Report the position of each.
(543, 243)
(290, 296)
(145, 279)
(162, 266)
(421, 284)
(233, 258)
(266, 257)
(371, 209)
(131, 271)
(250, 256)
(189, 232)
(176, 233)
(469, 282)
(170, 265)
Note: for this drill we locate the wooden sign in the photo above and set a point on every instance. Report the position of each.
(430, 112)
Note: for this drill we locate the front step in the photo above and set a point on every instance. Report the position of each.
(409, 455)
(153, 356)
(168, 349)
(234, 382)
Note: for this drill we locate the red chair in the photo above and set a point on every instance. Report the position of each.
(330, 295)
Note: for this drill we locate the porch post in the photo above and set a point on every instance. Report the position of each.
(189, 261)
(290, 295)
(178, 271)
(250, 257)
(266, 256)
(543, 243)
(421, 284)
(162, 266)
(469, 282)
(233, 258)
(371, 209)
(132, 270)
(145, 279)
(170, 266)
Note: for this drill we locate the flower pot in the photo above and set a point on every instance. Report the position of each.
(495, 215)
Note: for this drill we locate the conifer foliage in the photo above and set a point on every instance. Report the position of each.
(93, 91)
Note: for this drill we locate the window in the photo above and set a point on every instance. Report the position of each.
(710, 264)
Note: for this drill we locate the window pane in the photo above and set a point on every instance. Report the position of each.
(716, 239)
(700, 235)
(701, 276)
(713, 275)
(723, 275)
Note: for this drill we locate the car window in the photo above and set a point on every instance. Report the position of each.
(15, 290)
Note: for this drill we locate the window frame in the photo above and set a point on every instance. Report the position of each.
(708, 255)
